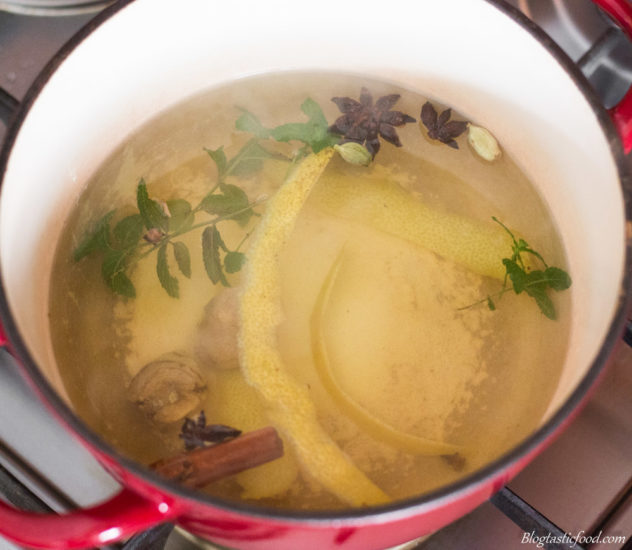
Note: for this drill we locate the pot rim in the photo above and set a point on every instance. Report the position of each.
(490, 473)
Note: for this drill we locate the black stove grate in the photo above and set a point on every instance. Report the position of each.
(533, 522)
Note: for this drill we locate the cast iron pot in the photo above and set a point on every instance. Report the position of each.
(139, 57)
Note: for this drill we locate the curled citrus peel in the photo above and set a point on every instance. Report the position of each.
(386, 206)
(372, 425)
(288, 403)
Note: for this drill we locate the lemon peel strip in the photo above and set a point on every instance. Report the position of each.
(389, 208)
(290, 407)
(363, 418)
(236, 403)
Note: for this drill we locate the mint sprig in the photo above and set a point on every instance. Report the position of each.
(535, 283)
(314, 133)
(156, 225)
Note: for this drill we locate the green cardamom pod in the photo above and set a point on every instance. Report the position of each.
(354, 153)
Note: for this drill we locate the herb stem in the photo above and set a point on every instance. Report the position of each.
(215, 188)
(243, 240)
(531, 284)
(167, 238)
(484, 300)
(218, 219)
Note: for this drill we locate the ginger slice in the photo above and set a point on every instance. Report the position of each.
(389, 208)
(370, 424)
(290, 407)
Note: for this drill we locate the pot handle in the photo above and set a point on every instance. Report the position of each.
(119, 517)
(123, 515)
(621, 12)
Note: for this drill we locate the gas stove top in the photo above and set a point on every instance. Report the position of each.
(581, 486)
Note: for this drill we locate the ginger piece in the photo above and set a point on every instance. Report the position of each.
(289, 405)
(169, 388)
(216, 344)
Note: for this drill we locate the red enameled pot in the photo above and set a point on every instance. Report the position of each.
(139, 57)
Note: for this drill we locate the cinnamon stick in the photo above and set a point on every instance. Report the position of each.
(202, 466)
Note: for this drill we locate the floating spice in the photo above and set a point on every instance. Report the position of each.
(200, 466)
(196, 433)
(364, 122)
(440, 127)
(483, 143)
(354, 153)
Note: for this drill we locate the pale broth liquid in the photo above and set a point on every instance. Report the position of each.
(399, 343)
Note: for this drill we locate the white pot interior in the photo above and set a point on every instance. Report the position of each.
(150, 55)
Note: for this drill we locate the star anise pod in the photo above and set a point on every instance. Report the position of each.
(196, 433)
(440, 127)
(364, 122)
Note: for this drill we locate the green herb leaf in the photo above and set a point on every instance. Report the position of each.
(121, 284)
(168, 281)
(536, 279)
(314, 132)
(557, 278)
(314, 113)
(128, 231)
(113, 262)
(96, 239)
(544, 302)
(220, 161)
(248, 160)
(323, 141)
(321, 137)
(151, 211)
(234, 261)
(182, 216)
(536, 286)
(523, 246)
(183, 258)
(113, 271)
(211, 244)
(534, 282)
(516, 274)
(297, 131)
(232, 200)
(248, 122)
